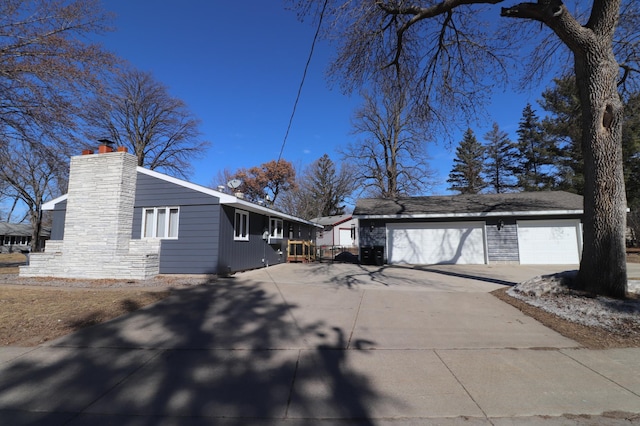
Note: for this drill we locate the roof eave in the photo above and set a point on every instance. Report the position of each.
(466, 215)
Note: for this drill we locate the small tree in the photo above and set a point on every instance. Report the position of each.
(466, 175)
(534, 152)
(499, 160)
(139, 113)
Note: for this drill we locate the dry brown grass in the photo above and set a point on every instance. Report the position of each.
(33, 315)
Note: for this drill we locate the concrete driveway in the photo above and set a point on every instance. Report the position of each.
(323, 344)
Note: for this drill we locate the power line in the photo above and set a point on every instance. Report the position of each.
(304, 76)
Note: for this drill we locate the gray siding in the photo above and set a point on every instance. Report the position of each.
(59, 215)
(502, 244)
(196, 249)
(243, 255)
(375, 235)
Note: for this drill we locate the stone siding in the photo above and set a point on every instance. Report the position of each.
(97, 232)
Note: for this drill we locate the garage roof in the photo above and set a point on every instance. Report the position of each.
(529, 203)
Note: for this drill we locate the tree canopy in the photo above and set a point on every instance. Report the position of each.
(47, 69)
(137, 111)
(322, 190)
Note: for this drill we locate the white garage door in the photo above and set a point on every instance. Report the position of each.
(345, 237)
(549, 241)
(432, 243)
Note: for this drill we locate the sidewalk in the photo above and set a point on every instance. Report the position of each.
(322, 344)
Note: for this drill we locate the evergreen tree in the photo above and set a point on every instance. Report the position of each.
(563, 126)
(322, 191)
(499, 161)
(534, 170)
(466, 174)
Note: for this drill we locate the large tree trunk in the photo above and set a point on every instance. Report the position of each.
(603, 268)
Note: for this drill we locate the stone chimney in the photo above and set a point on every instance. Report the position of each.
(97, 231)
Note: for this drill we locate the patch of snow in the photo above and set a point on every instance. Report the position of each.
(554, 294)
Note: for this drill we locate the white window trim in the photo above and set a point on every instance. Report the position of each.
(235, 226)
(273, 231)
(154, 231)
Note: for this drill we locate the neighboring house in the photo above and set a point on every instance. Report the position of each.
(16, 237)
(122, 221)
(338, 231)
(525, 228)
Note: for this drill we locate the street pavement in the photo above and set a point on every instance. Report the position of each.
(325, 344)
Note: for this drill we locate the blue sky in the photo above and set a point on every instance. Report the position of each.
(238, 66)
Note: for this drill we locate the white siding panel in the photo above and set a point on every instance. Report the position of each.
(549, 241)
(433, 243)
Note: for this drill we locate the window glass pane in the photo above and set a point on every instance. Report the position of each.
(162, 223)
(236, 225)
(173, 223)
(148, 223)
(245, 225)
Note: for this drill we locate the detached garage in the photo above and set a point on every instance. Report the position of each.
(525, 228)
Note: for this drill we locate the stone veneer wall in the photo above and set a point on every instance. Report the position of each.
(97, 235)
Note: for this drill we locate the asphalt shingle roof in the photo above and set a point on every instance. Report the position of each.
(19, 229)
(473, 204)
(331, 220)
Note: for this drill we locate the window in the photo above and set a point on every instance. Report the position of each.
(275, 228)
(160, 222)
(241, 226)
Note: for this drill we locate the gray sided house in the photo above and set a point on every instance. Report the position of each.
(524, 228)
(122, 221)
(16, 237)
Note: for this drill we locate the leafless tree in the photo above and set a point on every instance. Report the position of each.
(446, 47)
(46, 70)
(391, 160)
(138, 112)
(34, 176)
(322, 190)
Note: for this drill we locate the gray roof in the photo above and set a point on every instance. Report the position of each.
(472, 205)
(20, 229)
(331, 220)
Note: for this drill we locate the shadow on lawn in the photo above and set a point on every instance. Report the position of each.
(228, 349)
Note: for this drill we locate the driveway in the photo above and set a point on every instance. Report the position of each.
(322, 344)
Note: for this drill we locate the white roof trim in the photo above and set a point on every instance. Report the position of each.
(456, 215)
(225, 199)
(50, 205)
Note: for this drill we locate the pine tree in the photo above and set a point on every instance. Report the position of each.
(563, 126)
(534, 170)
(499, 161)
(466, 174)
(322, 191)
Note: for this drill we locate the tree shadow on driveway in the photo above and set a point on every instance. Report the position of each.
(229, 350)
